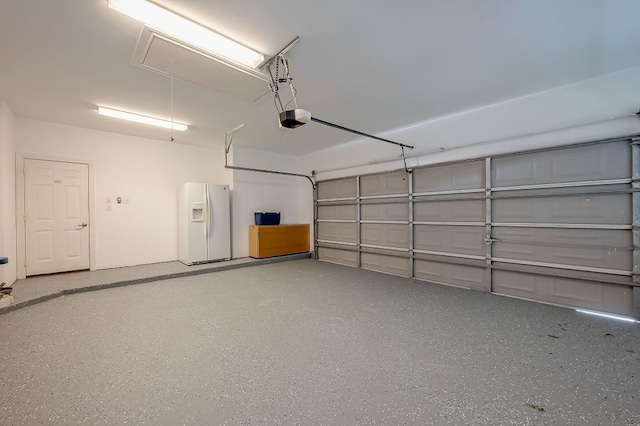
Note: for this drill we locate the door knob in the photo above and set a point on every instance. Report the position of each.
(83, 225)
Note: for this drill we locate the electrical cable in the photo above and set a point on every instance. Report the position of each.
(276, 79)
(295, 92)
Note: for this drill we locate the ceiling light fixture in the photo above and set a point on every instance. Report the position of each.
(141, 119)
(187, 31)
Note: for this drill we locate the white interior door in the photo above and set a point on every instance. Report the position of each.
(56, 216)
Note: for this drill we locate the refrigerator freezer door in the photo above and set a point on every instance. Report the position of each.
(197, 224)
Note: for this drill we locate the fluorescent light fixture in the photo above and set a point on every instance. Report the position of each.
(141, 119)
(187, 31)
(615, 317)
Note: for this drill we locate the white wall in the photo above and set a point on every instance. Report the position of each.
(7, 194)
(264, 192)
(464, 135)
(146, 172)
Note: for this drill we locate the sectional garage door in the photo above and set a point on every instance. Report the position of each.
(554, 226)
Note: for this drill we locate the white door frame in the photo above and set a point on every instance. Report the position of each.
(21, 254)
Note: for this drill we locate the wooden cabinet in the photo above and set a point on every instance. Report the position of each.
(277, 240)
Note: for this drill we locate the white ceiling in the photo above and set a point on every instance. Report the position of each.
(372, 65)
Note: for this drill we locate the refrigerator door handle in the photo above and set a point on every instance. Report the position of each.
(207, 209)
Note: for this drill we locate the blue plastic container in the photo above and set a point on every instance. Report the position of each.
(267, 218)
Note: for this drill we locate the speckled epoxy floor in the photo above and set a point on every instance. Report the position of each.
(42, 288)
(305, 342)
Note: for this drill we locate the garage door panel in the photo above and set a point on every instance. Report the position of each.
(343, 257)
(585, 191)
(600, 248)
(388, 264)
(337, 212)
(450, 211)
(560, 222)
(449, 177)
(339, 188)
(450, 274)
(391, 211)
(587, 163)
(385, 235)
(341, 232)
(599, 296)
(574, 274)
(450, 239)
(612, 209)
(384, 184)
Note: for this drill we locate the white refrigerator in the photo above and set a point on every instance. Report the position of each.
(204, 223)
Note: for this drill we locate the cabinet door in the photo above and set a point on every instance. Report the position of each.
(298, 239)
(272, 241)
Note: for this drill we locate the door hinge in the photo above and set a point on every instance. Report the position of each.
(24, 171)
(25, 218)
